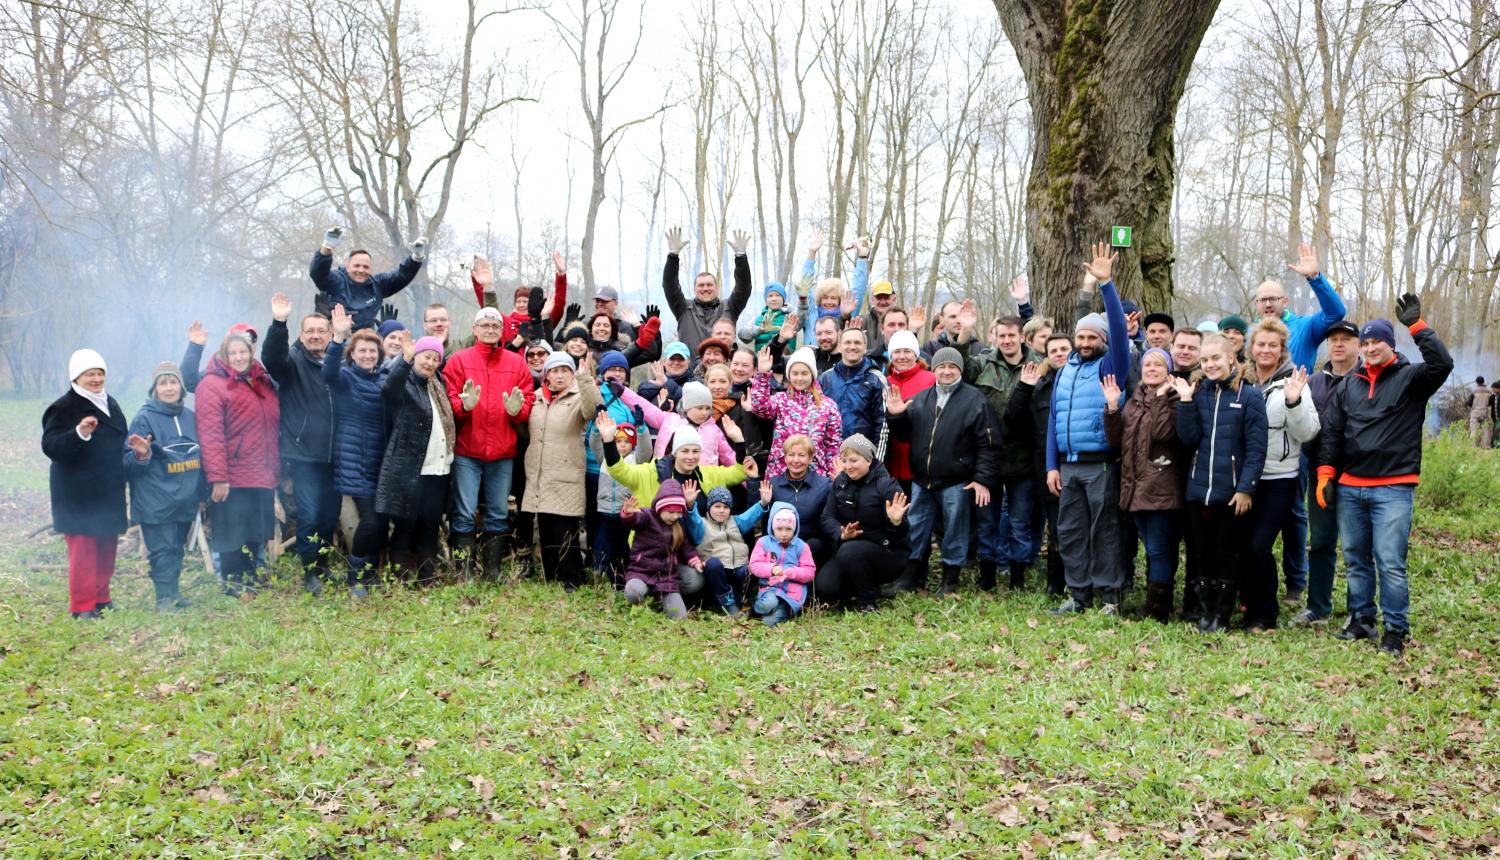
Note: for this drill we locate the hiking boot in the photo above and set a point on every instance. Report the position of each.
(986, 575)
(1294, 596)
(1355, 630)
(1307, 618)
(167, 604)
(951, 573)
(1218, 606)
(728, 604)
(1393, 642)
(1018, 575)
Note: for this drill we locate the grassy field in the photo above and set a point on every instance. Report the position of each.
(477, 721)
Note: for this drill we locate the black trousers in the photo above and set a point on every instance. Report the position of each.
(562, 553)
(1223, 539)
(368, 539)
(857, 570)
(416, 536)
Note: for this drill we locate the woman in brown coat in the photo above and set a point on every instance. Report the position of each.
(555, 464)
(1151, 476)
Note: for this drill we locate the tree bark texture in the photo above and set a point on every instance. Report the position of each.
(1104, 78)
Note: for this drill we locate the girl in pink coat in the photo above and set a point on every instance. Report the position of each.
(799, 410)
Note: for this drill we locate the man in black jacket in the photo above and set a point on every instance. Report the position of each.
(955, 449)
(1372, 446)
(1028, 414)
(306, 432)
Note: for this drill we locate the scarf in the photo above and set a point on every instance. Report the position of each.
(722, 405)
(944, 392)
(100, 400)
(443, 410)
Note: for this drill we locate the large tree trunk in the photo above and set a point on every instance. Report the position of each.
(1104, 78)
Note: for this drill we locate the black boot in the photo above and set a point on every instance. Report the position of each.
(986, 575)
(1057, 582)
(1220, 609)
(1208, 597)
(1017, 575)
(1192, 604)
(951, 573)
(461, 545)
(1159, 601)
(496, 547)
(914, 578)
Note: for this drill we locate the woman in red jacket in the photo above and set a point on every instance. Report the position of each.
(238, 426)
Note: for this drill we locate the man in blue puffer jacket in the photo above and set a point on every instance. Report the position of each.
(1079, 458)
(353, 286)
(857, 387)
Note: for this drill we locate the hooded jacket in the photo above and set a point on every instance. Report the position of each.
(555, 453)
(1225, 427)
(695, 319)
(652, 559)
(86, 478)
(489, 432)
(168, 486)
(1289, 428)
(362, 301)
(794, 558)
(239, 416)
(359, 424)
(1373, 434)
(809, 496)
(305, 401)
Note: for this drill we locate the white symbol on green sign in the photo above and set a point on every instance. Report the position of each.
(1119, 237)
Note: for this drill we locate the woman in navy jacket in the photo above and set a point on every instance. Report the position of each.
(352, 370)
(1222, 419)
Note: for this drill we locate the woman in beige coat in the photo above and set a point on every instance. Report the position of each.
(555, 464)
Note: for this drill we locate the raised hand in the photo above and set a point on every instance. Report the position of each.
(675, 240)
(1111, 390)
(918, 320)
(894, 405)
(1409, 309)
(690, 492)
(739, 241)
(752, 468)
(658, 373)
(815, 244)
(514, 401)
(895, 507)
(585, 367)
(1307, 262)
(968, 315)
(141, 445)
(1020, 290)
(1292, 392)
(388, 312)
(1102, 266)
(732, 431)
(408, 347)
(281, 307)
(857, 322)
(846, 303)
(1165, 387)
(981, 493)
(419, 249)
(789, 327)
(605, 424)
(767, 493)
(1031, 373)
(481, 271)
(332, 238)
(1183, 387)
(469, 395)
(197, 334)
(850, 531)
(574, 312)
(538, 304)
(560, 262)
(653, 312)
(862, 247)
(343, 324)
(630, 507)
(763, 360)
(88, 425)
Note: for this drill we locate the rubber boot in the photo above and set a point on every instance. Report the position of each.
(496, 547)
(1223, 608)
(1159, 601)
(1208, 597)
(1192, 603)
(461, 544)
(951, 573)
(986, 575)
(1018, 575)
(914, 578)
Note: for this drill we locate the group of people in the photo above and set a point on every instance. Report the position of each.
(815, 454)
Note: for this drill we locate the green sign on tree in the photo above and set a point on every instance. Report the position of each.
(1119, 237)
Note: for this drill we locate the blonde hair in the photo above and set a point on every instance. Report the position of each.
(1271, 325)
(829, 287)
(1236, 370)
(724, 368)
(797, 440)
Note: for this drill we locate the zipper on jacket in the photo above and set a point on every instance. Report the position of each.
(1213, 441)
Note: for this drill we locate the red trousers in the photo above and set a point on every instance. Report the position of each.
(91, 564)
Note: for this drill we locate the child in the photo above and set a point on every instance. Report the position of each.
(769, 321)
(697, 412)
(609, 538)
(721, 541)
(660, 544)
(784, 564)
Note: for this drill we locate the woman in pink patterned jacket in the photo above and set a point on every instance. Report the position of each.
(799, 410)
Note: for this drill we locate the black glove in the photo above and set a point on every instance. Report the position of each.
(640, 417)
(387, 312)
(653, 311)
(535, 301)
(574, 312)
(1409, 309)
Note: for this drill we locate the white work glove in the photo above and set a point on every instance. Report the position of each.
(419, 249)
(333, 237)
(513, 402)
(469, 396)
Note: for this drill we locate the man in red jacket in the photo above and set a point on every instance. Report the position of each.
(491, 391)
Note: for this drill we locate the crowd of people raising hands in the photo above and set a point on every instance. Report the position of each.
(816, 453)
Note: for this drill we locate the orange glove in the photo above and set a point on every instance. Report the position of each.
(1325, 477)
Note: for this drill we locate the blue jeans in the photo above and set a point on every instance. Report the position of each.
(952, 504)
(725, 582)
(1294, 535)
(1005, 524)
(1375, 525)
(771, 608)
(318, 505)
(1159, 532)
(469, 476)
(1322, 552)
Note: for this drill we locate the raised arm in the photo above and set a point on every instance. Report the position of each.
(671, 287)
(740, 295)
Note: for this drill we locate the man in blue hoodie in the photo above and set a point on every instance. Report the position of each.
(1080, 467)
(1305, 335)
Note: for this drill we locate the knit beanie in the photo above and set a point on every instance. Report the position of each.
(389, 326)
(682, 437)
(903, 339)
(695, 393)
(246, 329)
(558, 359)
(669, 497)
(166, 368)
(859, 445)
(613, 358)
(806, 357)
(948, 355)
(83, 361)
(1095, 323)
(720, 496)
(575, 330)
(1234, 321)
(427, 344)
(628, 431)
(779, 289)
(784, 517)
(1372, 330)
(1165, 356)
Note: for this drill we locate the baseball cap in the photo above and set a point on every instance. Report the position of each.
(606, 294)
(882, 288)
(1344, 326)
